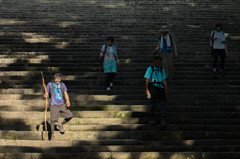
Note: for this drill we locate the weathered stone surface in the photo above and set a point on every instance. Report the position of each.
(66, 35)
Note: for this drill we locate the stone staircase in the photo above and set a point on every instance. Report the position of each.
(66, 36)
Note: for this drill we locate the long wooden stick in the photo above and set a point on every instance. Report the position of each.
(46, 104)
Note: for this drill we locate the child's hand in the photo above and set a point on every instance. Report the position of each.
(46, 95)
(68, 104)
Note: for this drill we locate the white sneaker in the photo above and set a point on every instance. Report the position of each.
(111, 84)
(108, 89)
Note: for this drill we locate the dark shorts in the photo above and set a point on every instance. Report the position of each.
(157, 93)
(55, 110)
(219, 52)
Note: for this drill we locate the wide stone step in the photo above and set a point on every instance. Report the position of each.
(133, 108)
(76, 143)
(183, 75)
(117, 121)
(128, 127)
(172, 96)
(191, 102)
(124, 155)
(123, 114)
(80, 83)
(197, 89)
(122, 148)
(148, 135)
(76, 121)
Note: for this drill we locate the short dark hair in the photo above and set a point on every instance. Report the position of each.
(110, 38)
(219, 25)
(57, 76)
(157, 58)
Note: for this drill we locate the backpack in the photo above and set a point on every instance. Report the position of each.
(212, 41)
(102, 58)
(105, 50)
(50, 94)
(152, 75)
(169, 37)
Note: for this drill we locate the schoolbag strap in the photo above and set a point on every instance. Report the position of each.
(169, 37)
(61, 85)
(105, 50)
(161, 70)
(152, 67)
(52, 89)
(213, 34)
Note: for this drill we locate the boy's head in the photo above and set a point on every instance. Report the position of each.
(57, 78)
(218, 27)
(157, 60)
(164, 30)
(110, 40)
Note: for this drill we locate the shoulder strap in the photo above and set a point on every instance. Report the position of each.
(52, 89)
(170, 38)
(61, 85)
(105, 50)
(213, 34)
(152, 67)
(161, 70)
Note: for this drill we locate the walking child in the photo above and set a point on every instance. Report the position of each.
(57, 92)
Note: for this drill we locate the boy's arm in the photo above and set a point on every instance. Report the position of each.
(67, 99)
(158, 47)
(211, 39)
(165, 86)
(226, 51)
(146, 84)
(46, 93)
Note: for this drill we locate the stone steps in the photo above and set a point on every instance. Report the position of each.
(122, 114)
(119, 121)
(66, 36)
(124, 155)
(125, 148)
(129, 127)
(148, 135)
(37, 143)
(134, 108)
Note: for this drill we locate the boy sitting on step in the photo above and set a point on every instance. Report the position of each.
(56, 90)
(156, 88)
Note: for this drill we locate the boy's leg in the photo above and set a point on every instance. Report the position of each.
(52, 127)
(215, 60)
(163, 108)
(54, 113)
(165, 63)
(108, 79)
(163, 113)
(113, 75)
(68, 116)
(153, 108)
(223, 55)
